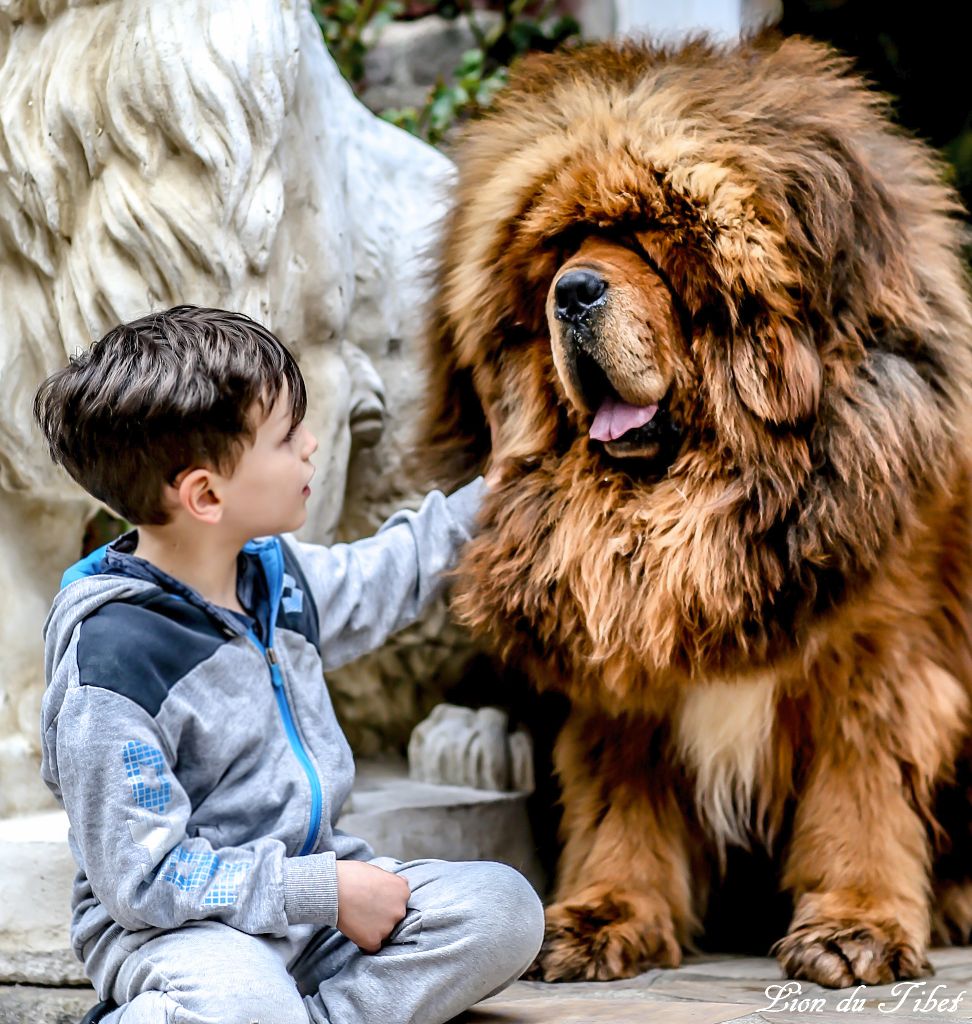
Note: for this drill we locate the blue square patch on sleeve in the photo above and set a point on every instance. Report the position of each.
(198, 870)
(145, 769)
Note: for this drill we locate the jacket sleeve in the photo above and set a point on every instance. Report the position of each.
(129, 816)
(367, 590)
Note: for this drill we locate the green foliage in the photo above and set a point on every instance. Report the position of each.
(484, 70)
(343, 24)
(481, 72)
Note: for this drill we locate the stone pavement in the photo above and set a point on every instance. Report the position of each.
(713, 990)
(709, 990)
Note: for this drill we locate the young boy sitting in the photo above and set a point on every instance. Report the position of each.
(186, 726)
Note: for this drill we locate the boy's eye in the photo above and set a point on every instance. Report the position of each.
(291, 433)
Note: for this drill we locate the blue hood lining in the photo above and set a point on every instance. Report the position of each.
(116, 559)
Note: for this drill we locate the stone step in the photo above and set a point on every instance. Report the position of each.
(36, 870)
(411, 820)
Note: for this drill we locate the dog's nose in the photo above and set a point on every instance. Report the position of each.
(576, 292)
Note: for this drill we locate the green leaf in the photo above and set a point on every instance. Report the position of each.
(471, 62)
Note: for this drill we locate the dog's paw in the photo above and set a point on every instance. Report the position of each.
(837, 954)
(608, 938)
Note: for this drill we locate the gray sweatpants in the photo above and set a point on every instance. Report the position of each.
(471, 929)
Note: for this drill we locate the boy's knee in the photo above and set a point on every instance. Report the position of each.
(268, 1003)
(220, 996)
(509, 916)
(215, 1007)
(208, 973)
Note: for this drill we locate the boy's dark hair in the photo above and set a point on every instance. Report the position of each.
(163, 393)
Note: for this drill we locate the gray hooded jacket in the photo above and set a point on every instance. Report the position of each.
(196, 750)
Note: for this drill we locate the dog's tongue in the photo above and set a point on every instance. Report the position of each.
(615, 418)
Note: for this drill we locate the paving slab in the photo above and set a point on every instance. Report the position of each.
(705, 990)
(625, 1008)
(735, 990)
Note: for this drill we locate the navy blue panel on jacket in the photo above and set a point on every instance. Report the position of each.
(297, 609)
(141, 647)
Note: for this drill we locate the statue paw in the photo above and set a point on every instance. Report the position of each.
(458, 746)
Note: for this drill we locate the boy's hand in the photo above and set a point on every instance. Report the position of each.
(371, 901)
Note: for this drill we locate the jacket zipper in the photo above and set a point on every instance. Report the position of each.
(276, 678)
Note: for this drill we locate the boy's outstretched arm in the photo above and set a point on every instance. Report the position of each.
(367, 590)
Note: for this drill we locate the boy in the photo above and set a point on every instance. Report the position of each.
(186, 727)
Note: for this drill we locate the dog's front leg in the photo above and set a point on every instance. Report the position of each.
(858, 867)
(623, 896)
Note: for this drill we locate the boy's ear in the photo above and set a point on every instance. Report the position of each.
(195, 492)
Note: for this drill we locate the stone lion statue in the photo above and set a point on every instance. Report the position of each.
(203, 151)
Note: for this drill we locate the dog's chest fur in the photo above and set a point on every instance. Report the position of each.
(723, 732)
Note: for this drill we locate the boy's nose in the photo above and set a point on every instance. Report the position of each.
(310, 443)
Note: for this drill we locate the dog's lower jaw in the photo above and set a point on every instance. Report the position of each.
(619, 450)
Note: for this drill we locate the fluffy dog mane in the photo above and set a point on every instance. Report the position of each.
(815, 254)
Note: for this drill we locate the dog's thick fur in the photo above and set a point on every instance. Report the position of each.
(760, 614)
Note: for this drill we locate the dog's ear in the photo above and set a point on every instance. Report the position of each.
(516, 387)
(777, 371)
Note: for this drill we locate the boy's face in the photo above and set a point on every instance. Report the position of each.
(268, 490)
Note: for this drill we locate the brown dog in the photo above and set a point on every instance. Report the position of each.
(714, 300)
